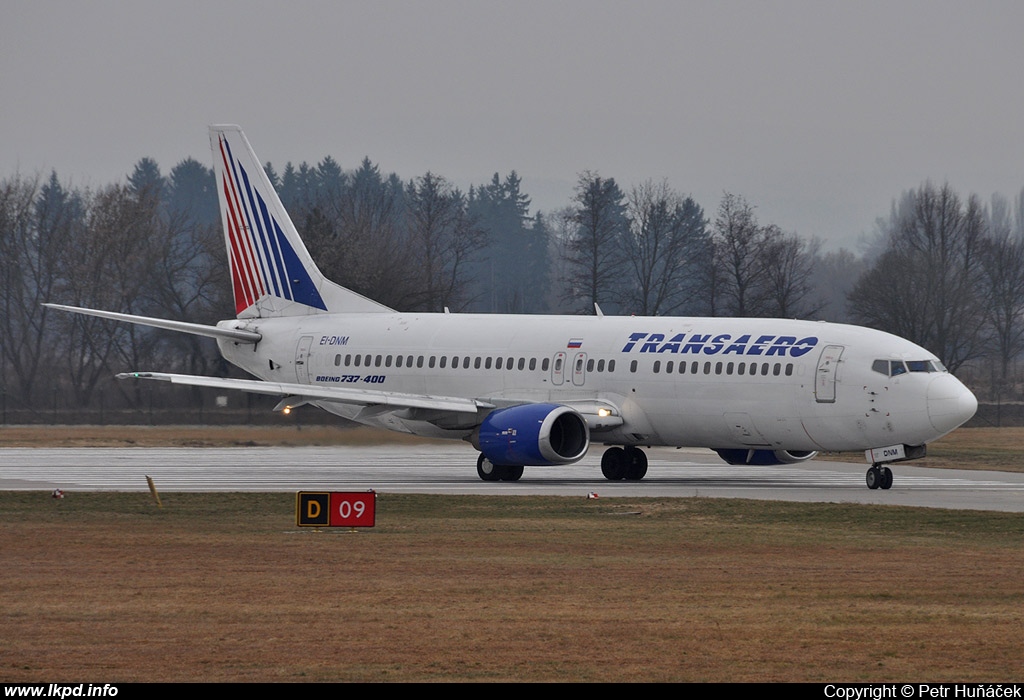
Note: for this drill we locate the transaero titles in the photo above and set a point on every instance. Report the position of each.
(723, 344)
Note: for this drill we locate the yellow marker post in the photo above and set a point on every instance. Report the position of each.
(152, 491)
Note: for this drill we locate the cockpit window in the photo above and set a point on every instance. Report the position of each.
(894, 368)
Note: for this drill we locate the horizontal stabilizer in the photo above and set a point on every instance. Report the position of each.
(236, 334)
(314, 392)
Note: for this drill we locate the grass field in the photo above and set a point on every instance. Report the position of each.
(223, 587)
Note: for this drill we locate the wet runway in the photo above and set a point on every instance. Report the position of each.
(451, 469)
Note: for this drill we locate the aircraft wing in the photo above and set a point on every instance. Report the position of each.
(310, 392)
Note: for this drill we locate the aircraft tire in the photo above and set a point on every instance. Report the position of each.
(874, 477)
(886, 478)
(636, 464)
(512, 473)
(487, 470)
(614, 464)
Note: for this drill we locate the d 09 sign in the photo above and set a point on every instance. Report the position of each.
(336, 509)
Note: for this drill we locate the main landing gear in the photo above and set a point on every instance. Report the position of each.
(628, 463)
(489, 471)
(879, 477)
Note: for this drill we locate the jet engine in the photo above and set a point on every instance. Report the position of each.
(764, 457)
(533, 435)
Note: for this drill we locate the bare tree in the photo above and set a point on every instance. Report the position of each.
(926, 287)
(561, 228)
(833, 276)
(739, 259)
(1003, 291)
(595, 252)
(28, 271)
(663, 246)
(108, 264)
(788, 262)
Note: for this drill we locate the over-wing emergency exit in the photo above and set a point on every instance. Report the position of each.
(537, 390)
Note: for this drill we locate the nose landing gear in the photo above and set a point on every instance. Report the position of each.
(879, 477)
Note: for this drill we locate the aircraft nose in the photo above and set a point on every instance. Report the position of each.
(950, 403)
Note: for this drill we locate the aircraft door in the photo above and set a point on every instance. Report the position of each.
(558, 369)
(302, 359)
(579, 369)
(825, 378)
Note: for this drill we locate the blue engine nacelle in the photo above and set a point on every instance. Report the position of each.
(764, 457)
(533, 435)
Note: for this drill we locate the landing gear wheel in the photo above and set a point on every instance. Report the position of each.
(512, 473)
(614, 464)
(636, 464)
(874, 477)
(487, 470)
(886, 478)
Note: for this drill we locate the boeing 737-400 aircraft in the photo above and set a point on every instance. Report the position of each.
(536, 390)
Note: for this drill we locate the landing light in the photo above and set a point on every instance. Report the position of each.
(603, 412)
(286, 410)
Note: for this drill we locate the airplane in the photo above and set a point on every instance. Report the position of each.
(535, 391)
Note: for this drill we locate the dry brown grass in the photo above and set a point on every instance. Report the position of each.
(222, 587)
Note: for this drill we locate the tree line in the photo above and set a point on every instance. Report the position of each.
(942, 270)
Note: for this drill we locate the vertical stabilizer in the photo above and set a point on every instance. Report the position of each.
(272, 273)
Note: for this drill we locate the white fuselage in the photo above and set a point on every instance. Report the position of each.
(711, 382)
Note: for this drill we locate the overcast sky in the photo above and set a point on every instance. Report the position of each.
(819, 113)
